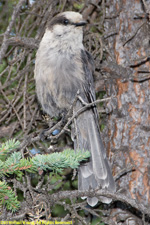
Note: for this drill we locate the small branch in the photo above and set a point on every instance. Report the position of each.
(29, 139)
(8, 30)
(22, 41)
(11, 105)
(88, 10)
(87, 105)
(97, 193)
(20, 216)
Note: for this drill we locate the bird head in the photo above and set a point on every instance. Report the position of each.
(65, 27)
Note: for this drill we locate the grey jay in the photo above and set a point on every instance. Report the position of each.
(64, 68)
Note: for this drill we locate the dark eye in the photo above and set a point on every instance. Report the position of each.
(66, 22)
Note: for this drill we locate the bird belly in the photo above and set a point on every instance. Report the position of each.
(58, 81)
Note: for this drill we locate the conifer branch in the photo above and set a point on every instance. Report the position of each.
(13, 163)
(8, 198)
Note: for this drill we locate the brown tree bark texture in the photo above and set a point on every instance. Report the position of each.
(129, 124)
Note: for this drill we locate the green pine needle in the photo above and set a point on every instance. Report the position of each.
(58, 161)
(13, 163)
(8, 198)
(7, 147)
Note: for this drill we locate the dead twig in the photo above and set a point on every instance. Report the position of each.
(75, 115)
(9, 28)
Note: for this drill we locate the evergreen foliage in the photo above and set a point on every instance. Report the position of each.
(13, 163)
(8, 198)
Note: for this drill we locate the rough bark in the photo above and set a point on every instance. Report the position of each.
(128, 126)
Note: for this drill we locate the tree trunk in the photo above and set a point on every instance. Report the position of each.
(129, 124)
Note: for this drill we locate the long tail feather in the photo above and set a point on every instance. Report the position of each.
(95, 173)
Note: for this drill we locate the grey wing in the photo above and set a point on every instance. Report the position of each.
(89, 90)
(97, 172)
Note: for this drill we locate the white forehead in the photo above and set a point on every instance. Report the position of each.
(72, 16)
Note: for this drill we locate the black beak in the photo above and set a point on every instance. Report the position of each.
(82, 23)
